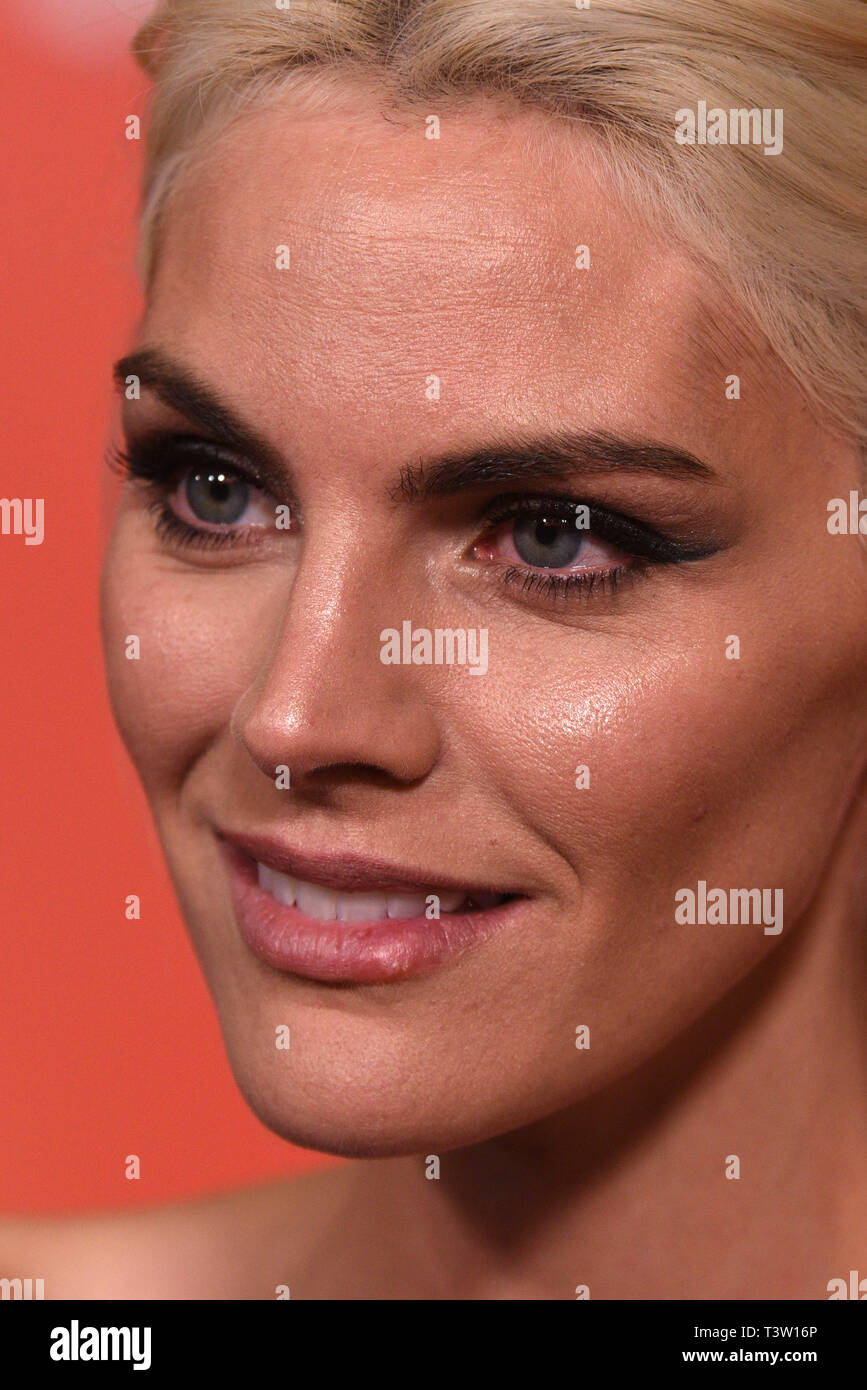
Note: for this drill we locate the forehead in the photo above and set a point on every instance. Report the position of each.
(335, 263)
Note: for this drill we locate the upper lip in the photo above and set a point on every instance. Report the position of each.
(348, 872)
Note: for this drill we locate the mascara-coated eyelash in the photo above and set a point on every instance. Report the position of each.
(162, 459)
(169, 527)
(634, 537)
(582, 584)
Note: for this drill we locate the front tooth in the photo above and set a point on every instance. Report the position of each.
(406, 904)
(284, 889)
(361, 907)
(280, 886)
(317, 902)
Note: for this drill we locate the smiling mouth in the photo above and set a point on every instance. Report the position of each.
(329, 905)
(348, 919)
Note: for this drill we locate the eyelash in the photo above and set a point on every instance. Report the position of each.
(154, 464)
(582, 584)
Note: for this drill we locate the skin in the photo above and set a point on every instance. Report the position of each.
(560, 1167)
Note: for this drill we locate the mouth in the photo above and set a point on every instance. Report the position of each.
(347, 919)
(328, 905)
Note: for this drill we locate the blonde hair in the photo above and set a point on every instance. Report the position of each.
(783, 232)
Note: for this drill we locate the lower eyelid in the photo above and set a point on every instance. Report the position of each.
(173, 529)
(579, 587)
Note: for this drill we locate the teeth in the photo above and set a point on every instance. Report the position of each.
(317, 902)
(449, 901)
(406, 905)
(361, 907)
(325, 905)
(280, 886)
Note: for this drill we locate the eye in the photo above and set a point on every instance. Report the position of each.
(545, 540)
(555, 548)
(215, 497)
(552, 536)
(199, 494)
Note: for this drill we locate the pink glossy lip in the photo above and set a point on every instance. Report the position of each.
(347, 952)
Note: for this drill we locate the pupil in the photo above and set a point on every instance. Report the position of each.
(546, 542)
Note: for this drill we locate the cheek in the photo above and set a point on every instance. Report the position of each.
(174, 687)
(648, 769)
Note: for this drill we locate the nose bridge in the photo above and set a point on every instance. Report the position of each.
(323, 698)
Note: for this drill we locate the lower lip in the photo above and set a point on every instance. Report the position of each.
(350, 952)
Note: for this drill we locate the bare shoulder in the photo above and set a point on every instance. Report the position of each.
(245, 1244)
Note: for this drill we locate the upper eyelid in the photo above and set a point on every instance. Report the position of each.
(510, 508)
(503, 508)
(153, 443)
(636, 537)
(534, 500)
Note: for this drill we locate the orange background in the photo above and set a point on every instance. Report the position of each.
(108, 1039)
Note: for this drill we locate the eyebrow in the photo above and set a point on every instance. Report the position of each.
(182, 390)
(557, 455)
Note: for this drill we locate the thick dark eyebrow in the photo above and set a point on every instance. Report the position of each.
(557, 456)
(183, 391)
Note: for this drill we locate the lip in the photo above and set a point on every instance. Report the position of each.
(348, 952)
(348, 873)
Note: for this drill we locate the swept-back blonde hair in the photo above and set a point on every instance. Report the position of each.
(784, 233)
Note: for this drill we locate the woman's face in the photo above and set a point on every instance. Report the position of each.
(435, 376)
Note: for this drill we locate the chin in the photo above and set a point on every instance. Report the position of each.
(364, 1105)
(349, 1122)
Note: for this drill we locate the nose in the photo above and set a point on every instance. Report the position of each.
(323, 704)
